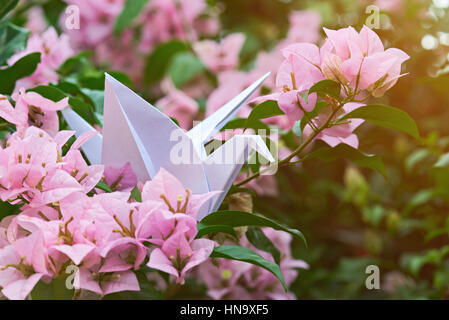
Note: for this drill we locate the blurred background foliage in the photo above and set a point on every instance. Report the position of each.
(352, 217)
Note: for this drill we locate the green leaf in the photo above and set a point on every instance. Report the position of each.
(96, 97)
(12, 39)
(160, 59)
(103, 186)
(7, 209)
(240, 219)
(210, 229)
(55, 290)
(325, 88)
(385, 116)
(258, 239)
(247, 255)
(264, 110)
(6, 6)
(130, 11)
(347, 152)
(136, 195)
(75, 63)
(21, 69)
(240, 123)
(184, 67)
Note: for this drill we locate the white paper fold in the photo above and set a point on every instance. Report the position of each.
(135, 131)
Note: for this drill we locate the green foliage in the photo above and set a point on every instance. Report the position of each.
(159, 60)
(212, 229)
(346, 152)
(247, 255)
(240, 219)
(55, 290)
(6, 6)
(325, 88)
(103, 186)
(264, 110)
(130, 11)
(22, 68)
(259, 240)
(184, 67)
(12, 39)
(387, 117)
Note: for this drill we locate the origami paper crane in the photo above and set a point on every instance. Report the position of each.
(134, 131)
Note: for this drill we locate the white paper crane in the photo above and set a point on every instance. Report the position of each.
(134, 131)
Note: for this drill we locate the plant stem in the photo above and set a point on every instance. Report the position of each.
(286, 162)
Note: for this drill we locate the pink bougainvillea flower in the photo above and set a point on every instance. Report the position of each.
(177, 255)
(304, 26)
(22, 265)
(163, 20)
(220, 56)
(120, 179)
(29, 169)
(342, 133)
(33, 109)
(160, 223)
(358, 60)
(54, 187)
(105, 283)
(17, 279)
(292, 85)
(123, 254)
(54, 51)
(167, 190)
(87, 176)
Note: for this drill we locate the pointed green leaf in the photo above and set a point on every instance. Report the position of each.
(24, 67)
(241, 219)
(160, 59)
(325, 88)
(258, 239)
(264, 110)
(210, 229)
(103, 186)
(12, 40)
(247, 255)
(385, 116)
(184, 67)
(130, 11)
(347, 152)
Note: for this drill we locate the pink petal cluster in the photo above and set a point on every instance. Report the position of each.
(228, 279)
(163, 20)
(220, 56)
(54, 51)
(341, 133)
(97, 18)
(31, 109)
(358, 60)
(64, 222)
